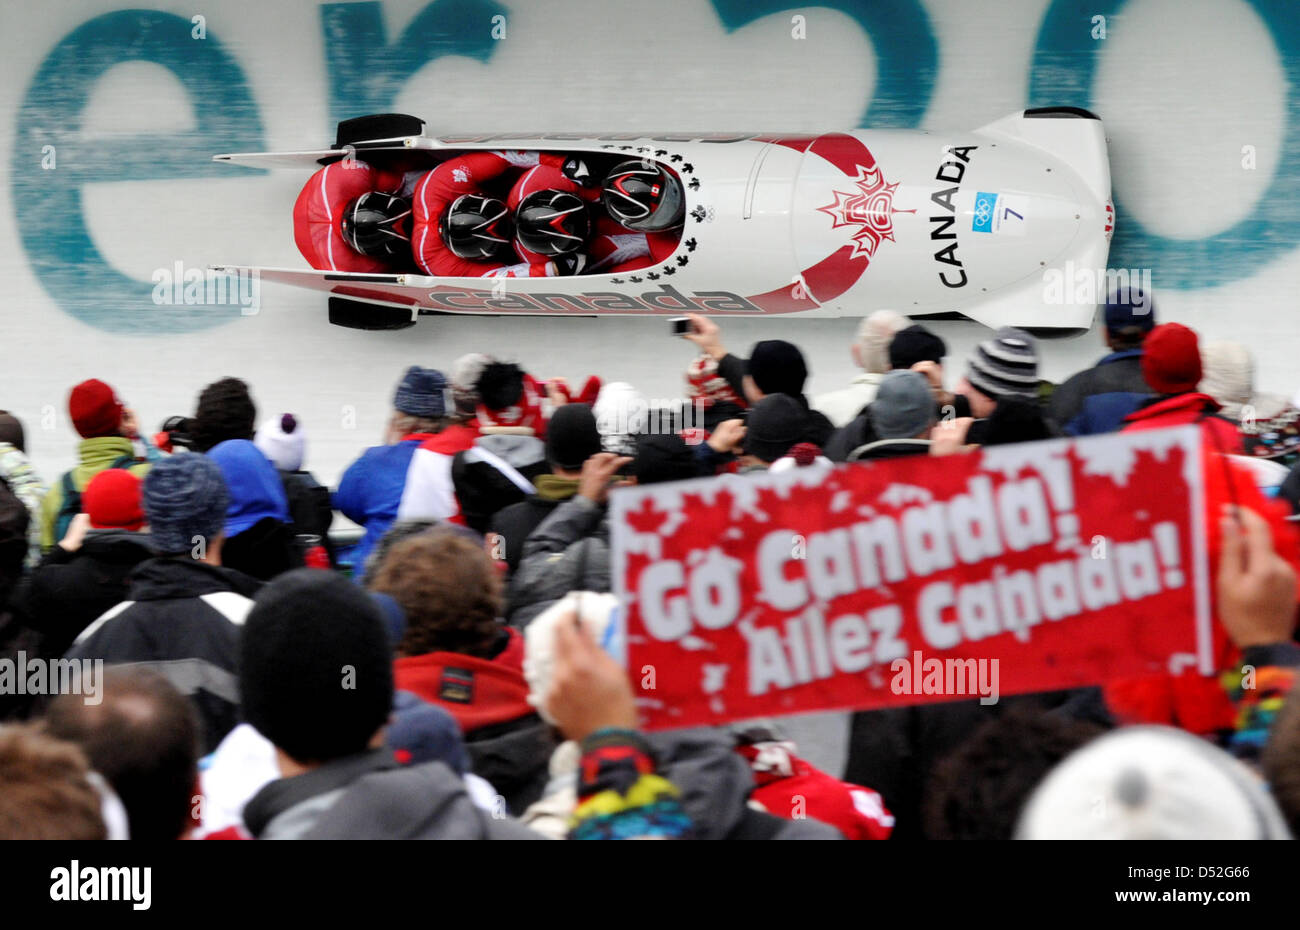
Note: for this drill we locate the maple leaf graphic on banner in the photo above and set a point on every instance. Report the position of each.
(647, 518)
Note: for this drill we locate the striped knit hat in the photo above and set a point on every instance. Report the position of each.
(1006, 365)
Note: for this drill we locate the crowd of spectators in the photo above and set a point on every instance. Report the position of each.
(443, 673)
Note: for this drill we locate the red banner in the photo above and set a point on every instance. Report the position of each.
(1010, 569)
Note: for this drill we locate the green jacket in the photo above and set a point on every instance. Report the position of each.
(95, 455)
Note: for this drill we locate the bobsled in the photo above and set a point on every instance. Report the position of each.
(836, 224)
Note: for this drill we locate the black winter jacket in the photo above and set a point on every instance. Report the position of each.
(182, 618)
(68, 591)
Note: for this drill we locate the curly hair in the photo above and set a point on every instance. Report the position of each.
(225, 411)
(978, 790)
(450, 591)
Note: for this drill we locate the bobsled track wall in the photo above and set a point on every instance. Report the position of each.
(109, 115)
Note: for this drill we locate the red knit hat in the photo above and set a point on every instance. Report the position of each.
(95, 409)
(112, 500)
(1171, 359)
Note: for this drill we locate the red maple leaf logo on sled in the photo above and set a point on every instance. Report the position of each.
(870, 208)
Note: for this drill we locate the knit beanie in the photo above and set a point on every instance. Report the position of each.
(422, 392)
(572, 437)
(112, 500)
(1151, 783)
(1171, 359)
(1227, 372)
(185, 497)
(509, 400)
(422, 732)
(904, 405)
(283, 441)
(777, 423)
(777, 367)
(663, 457)
(315, 669)
(95, 409)
(1005, 365)
(11, 431)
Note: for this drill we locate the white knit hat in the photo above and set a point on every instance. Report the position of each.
(594, 611)
(282, 440)
(1151, 783)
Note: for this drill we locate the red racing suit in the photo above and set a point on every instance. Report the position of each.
(467, 174)
(319, 208)
(612, 248)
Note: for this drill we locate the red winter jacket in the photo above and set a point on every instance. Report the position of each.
(477, 692)
(1182, 409)
(789, 787)
(1191, 701)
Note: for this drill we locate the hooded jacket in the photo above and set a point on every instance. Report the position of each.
(259, 536)
(371, 490)
(494, 473)
(182, 618)
(94, 455)
(568, 551)
(514, 524)
(256, 491)
(68, 591)
(371, 797)
(1119, 372)
(1181, 409)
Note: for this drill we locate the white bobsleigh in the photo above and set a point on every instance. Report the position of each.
(820, 225)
